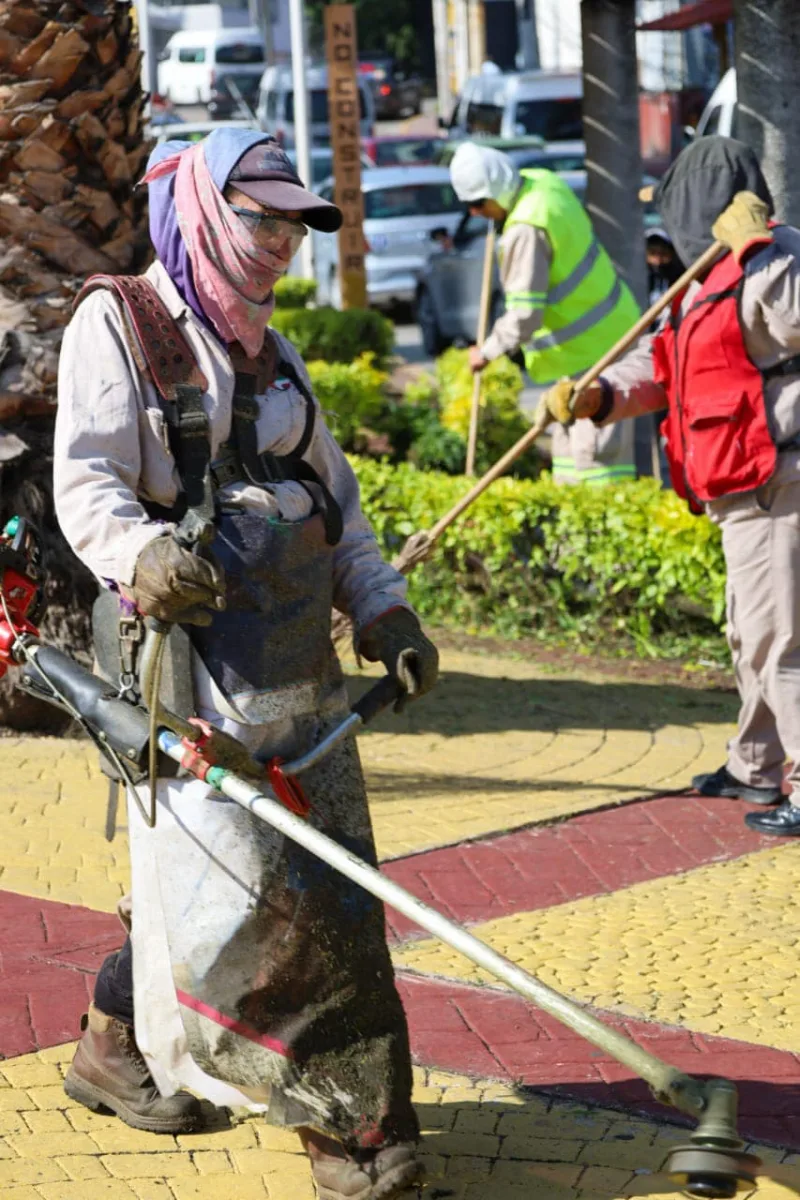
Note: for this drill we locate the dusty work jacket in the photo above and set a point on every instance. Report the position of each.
(112, 451)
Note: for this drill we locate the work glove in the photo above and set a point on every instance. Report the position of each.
(172, 584)
(743, 224)
(557, 405)
(396, 639)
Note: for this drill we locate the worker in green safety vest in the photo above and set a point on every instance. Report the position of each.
(565, 303)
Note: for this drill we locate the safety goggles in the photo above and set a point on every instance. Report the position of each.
(270, 232)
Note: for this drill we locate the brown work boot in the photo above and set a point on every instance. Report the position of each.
(388, 1174)
(108, 1071)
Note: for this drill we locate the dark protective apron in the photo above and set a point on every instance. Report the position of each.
(279, 964)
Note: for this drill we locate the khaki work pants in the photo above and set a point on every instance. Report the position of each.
(761, 541)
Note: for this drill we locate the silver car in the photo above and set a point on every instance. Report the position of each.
(402, 207)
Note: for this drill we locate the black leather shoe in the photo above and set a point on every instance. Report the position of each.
(722, 783)
(783, 821)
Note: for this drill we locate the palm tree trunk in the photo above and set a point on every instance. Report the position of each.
(768, 82)
(71, 147)
(611, 131)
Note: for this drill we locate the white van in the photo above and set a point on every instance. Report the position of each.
(719, 115)
(194, 60)
(275, 111)
(544, 103)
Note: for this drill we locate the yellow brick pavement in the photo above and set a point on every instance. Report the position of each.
(482, 1141)
(713, 949)
(501, 743)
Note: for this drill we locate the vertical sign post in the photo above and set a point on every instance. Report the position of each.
(302, 127)
(344, 115)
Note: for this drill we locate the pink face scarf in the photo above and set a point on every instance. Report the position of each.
(231, 271)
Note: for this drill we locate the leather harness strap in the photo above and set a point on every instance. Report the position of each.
(161, 350)
(158, 345)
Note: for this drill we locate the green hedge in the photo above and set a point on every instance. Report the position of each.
(500, 421)
(626, 565)
(351, 394)
(327, 333)
(293, 292)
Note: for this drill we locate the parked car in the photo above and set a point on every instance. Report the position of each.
(193, 131)
(395, 150)
(396, 92)
(448, 146)
(234, 94)
(449, 286)
(566, 157)
(193, 59)
(719, 115)
(402, 206)
(275, 111)
(322, 165)
(544, 103)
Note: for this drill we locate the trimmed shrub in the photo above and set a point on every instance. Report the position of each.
(292, 292)
(501, 423)
(351, 394)
(336, 337)
(625, 565)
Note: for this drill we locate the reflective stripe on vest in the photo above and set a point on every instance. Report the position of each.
(583, 324)
(565, 471)
(576, 276)
(587, 307)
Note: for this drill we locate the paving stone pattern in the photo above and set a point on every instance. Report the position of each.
(531, 806)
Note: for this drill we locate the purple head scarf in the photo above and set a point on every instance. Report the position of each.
(222, 149)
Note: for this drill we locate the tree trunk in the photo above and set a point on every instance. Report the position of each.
(767, 34)
(71, 147)
(611, 131)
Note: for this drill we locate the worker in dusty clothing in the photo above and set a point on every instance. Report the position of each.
(565, 304)
(727, 363)
(254, 973)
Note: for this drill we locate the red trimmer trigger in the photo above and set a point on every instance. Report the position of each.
(287, 788)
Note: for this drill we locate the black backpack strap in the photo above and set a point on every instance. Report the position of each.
(190, 443)
(264, 469)
(303, 471)
(789, 366)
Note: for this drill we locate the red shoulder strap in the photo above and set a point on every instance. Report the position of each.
(159, 345)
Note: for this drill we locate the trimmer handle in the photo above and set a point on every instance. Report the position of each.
(385, 692)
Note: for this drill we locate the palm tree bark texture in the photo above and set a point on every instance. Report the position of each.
(71, 148)
(767, 36)
(611, 131)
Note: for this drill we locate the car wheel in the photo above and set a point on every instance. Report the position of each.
(432, 338)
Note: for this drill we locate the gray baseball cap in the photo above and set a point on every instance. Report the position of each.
(265, 173)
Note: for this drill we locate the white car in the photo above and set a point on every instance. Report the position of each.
(402, 207)
(545, 104)
(275, 110)
(194, 60)
(192, 131)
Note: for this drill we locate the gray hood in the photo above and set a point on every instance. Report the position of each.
(700, 185)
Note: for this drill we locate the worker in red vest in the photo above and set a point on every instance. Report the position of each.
(728, 363)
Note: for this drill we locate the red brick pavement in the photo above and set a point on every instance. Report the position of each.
(588, 855)
(478, 1031)
(49, 954)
